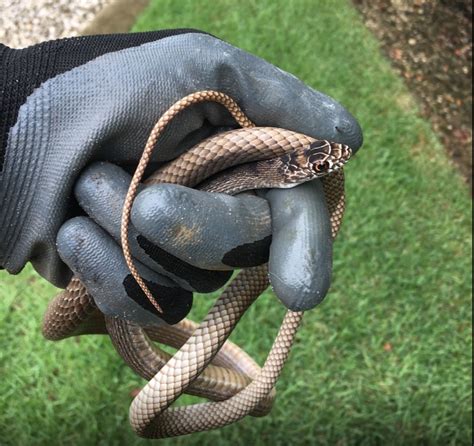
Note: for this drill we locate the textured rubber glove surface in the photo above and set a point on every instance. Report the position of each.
(104, 110)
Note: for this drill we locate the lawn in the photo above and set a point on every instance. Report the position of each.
(386, 359)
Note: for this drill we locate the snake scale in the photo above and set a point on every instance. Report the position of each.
(207, 364)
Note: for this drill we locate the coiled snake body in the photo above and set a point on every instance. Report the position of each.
(238, 386)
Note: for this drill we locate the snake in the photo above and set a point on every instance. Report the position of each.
(206, 363)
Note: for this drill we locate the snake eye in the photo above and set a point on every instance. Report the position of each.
(322, 166)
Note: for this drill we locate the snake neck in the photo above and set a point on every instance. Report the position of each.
(264, 174)
(228, 149)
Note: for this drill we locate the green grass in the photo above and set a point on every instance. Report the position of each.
(402, 275)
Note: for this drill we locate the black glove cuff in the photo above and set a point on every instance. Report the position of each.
(24, 70)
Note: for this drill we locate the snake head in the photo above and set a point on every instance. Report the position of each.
(324, 157)
(320, 158)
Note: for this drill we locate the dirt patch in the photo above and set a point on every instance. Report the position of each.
(430, 45)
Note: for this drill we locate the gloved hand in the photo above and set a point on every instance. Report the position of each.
(67, 103)
(177, 231)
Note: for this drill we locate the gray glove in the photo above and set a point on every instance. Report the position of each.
(104, 110)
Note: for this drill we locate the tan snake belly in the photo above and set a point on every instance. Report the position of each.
(233, 379)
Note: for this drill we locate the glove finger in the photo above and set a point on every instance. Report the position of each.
(300, 263)
(98, 262)
(267, 94)
(101, 191)
(208, 230)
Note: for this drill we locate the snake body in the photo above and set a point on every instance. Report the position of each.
(206, 364)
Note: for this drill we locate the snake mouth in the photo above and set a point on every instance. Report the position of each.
(342, 155)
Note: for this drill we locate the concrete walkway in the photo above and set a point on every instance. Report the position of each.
(27, 22)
